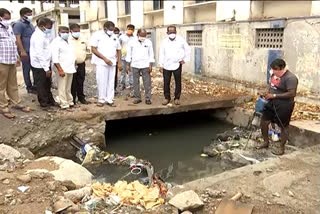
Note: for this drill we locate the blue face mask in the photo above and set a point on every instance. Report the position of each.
(47, 31)
(76, 34)
(64, 36)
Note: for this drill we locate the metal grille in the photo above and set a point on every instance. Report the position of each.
(270, 38)
(148, 35)
(194, 38)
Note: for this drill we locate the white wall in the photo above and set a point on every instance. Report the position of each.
(225, 10)
(137, 13)
(315, 8)
(14, 8)
(173, 12)
(113, 12)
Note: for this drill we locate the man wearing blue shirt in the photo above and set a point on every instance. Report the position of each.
(23, 29)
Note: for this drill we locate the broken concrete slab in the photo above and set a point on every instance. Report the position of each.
(187, 200)
(67, 171)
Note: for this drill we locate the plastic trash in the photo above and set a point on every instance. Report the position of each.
(23, 188)
(47, 212)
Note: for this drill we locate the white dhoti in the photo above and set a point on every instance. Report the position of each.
(105, 75)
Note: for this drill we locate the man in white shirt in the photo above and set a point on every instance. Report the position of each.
(64, 59)
(40, 58)
(140, 57)
(174, 52)
(124, 40)
(106, 48)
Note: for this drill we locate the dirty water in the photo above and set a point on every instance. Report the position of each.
(172, 143)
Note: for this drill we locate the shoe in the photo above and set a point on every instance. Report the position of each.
(278, 149)
(148, 102)
(100, 104)
(31, 91)
(53, 104)
(177, 102)
(166, 102)
(84, 102)
(111, 104)
(136, 101)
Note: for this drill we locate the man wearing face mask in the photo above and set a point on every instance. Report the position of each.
(23, 29)
(8, 61)
(80, 52)
(40, 57)
(64, 59)
(174, 52)
(106, 48)
(124, 39)
(140, 57)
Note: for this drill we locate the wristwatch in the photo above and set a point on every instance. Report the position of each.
(274, 95)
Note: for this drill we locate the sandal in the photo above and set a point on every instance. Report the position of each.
(25, 109)
(100, 104)
(263, 145)
(7, 113)
(111, 104)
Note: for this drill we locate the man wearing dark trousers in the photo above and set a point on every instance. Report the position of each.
(79, 47)
(174, 52)
(280, 96)
(23, 29)
(40, 57)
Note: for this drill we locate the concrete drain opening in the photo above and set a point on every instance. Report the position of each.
(181, 147)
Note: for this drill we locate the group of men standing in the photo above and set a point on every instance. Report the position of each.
(129, 54)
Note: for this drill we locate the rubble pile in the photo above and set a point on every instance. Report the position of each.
(301, 111)
(194, 87)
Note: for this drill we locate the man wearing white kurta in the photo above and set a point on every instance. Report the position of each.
(64, 59)
(106, 48)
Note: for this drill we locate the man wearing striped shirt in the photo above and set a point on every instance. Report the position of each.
(8, 61)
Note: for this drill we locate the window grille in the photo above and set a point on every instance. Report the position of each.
(271, 38)
(127, 7)
(148, 35)
(157, 4)
(194, 38)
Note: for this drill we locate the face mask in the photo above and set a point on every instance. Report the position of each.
(28, 18)
(76, 34)
(47, 31)
(172, 36)
(5, 22)
(109, 32)
(142, 39)
(64, 36)
(129, 32)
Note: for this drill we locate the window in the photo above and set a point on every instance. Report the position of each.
(148, 35)
(127, 7)
(32, 1)
(201, 1)
(157, 4)
(106, 9)
(21, 1)
(271, 38)
(194, 38)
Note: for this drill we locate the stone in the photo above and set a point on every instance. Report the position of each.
(291, 194)
(67, 171)
(62, 204)
(210, 150)
(276, 194)
(9, 153)
(77, 195)
(26, 153)
(24, 178)
(52, 185)
(69, 184)
(214, 193)
(5, 175)
(186, 212)
(187, 200)
(6, 181)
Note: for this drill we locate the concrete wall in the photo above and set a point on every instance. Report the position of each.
(225, 10)
(292, 8)
(248, 64)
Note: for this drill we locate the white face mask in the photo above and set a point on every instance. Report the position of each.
(109, 32)
(142, 39)
(5, 22)
(29, 18)
(172, 36)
